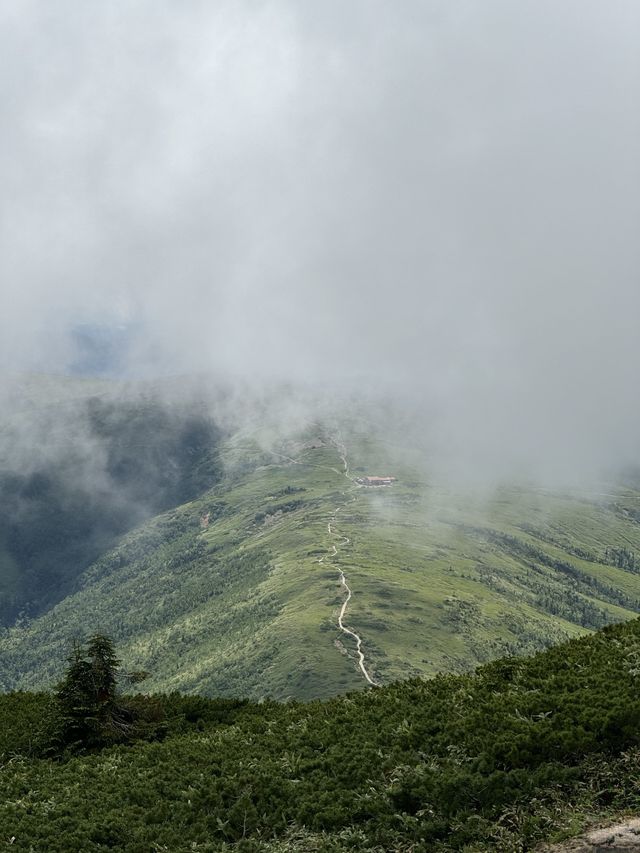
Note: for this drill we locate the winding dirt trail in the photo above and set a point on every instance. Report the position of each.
(340, 447)
(343, 579)
(343, 609)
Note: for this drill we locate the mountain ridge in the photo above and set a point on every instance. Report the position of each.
(231, 593)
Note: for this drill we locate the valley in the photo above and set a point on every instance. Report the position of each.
(289, 580)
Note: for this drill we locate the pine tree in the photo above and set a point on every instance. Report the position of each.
(86, 696)
(104, 668)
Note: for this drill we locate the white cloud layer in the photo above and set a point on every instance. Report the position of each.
(440, 196)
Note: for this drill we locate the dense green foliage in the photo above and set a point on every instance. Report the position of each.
(492, 761)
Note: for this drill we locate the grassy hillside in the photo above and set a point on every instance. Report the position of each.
(237, 593)
(524, 749)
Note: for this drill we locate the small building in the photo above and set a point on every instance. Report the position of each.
(375, 481)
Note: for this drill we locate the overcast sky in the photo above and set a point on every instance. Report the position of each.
(438, 196)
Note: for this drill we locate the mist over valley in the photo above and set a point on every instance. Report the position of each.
(319, 447)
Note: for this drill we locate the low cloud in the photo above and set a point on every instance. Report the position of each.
(435, 200)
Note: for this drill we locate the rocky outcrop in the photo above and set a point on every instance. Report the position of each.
(622, 837)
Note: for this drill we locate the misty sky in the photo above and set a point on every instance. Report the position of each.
(442, 197)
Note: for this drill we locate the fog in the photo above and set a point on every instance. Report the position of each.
(435, 200)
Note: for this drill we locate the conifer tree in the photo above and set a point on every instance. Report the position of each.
(86, 696)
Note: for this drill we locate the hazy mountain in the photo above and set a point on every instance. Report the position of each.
(216, 559)
(79, 469)
(100, 350)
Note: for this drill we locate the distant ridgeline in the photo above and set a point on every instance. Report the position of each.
(100, 350)
(494, 761)
(96, 469)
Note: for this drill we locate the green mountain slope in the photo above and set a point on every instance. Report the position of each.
(520, 751)
(238, 592)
